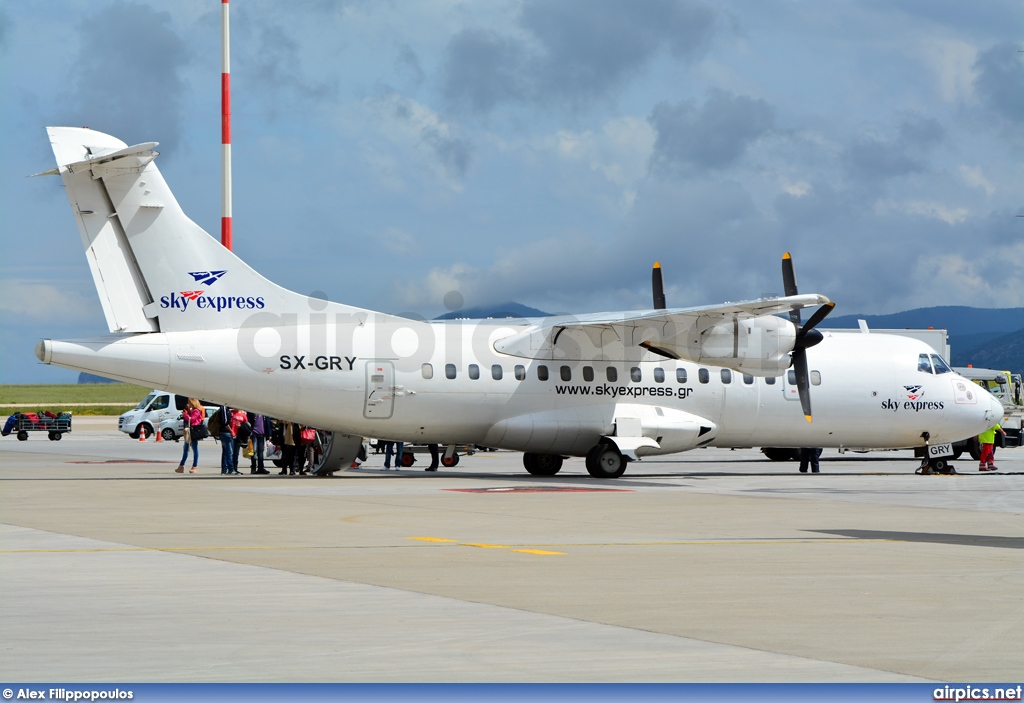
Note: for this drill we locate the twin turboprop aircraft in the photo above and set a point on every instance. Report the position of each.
(185, 314)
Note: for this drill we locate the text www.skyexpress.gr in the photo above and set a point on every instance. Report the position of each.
(609, 391)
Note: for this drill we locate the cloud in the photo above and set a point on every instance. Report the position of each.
(712, 136)
(953, 62)
(871, 157)
(127, 75)
(411, 123)
(924, 208)
(972, 176)
(573, 52)
(41, 301)
(1000, 81)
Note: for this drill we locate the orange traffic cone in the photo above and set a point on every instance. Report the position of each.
(142, 435)
(159, 436)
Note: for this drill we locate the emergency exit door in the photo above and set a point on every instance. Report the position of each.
(380, 390)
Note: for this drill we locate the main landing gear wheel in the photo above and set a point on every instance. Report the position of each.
(408, 459)
(449, 462)
(605, 461)
(542, 464)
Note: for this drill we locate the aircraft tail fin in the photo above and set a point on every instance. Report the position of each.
(154, 268)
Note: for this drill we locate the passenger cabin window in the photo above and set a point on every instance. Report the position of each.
(726, 376)
(520, 372)
(924, 363)
(449, 370)
(680, 375)
(748, 379)
(497, 372)
(613, 374)
(659, 375)
(940, 365)
(769, 380)
(815, 378)
(635, 375)
(542, 373)
(474, 371)
(427, 370)
(588, 373)
(565, 373)
(703, 375)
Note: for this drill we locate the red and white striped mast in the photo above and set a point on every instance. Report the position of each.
(225, 128)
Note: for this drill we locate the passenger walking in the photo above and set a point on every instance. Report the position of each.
(260, 430)
(307, 456)
(289, 430)
(240, 429)
(221, 423)
(809, 455)
(987, 441)
(396, 448)
(192, 417)
(389, 449)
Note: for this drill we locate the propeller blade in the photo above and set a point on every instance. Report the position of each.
(802, 381)
(789, 285)
(658, 286)
(815, 319)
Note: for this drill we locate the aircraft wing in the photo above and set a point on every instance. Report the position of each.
(746, 335)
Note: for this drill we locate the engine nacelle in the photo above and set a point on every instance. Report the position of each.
(759, 346)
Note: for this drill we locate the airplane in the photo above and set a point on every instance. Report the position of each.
(187, 314)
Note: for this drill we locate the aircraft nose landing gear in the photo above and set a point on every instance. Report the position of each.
(939, 465)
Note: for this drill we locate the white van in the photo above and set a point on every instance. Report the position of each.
(159, 409)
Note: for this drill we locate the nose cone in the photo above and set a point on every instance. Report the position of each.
(994, 412)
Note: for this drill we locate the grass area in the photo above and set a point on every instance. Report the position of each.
(49, 394)
(55, 397)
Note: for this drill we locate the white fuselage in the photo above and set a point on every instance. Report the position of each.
(391, 378)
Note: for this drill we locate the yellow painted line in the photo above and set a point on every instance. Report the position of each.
(433, 539)
(536, 551)
(483, 546)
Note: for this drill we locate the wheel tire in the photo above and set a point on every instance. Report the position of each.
(408, 459)
(168, 434)
(605, 461)
(450, 462)
(542, 464)
(57, 436)
(22, 436)
(939, 466)
(51, 436)
(143, 430)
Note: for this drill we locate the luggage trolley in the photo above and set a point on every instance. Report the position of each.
(23, 423)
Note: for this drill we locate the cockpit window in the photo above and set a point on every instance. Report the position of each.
(924, 364)
(940, 365)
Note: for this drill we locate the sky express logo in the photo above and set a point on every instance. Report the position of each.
(183, 299)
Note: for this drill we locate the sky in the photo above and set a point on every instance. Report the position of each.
(542, 151)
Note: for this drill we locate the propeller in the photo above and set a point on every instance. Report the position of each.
(658, 285)
(806, 335)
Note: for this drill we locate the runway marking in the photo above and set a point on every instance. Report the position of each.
(536, 551)
(539, 489)
(483, 545)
